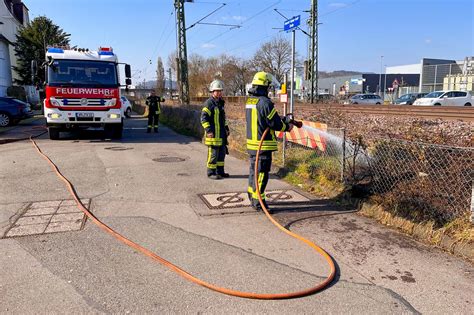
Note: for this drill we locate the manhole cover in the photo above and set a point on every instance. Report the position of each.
(226, 203)
(49, 217)
(118, 148)
(169, 159)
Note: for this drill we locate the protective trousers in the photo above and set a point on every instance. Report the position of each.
(153, 119)
(215, 160)
(264, 166)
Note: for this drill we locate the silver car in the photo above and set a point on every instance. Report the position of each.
(366, 99)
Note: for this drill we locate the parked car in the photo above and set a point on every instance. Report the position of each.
(409, 99)
(366, 99)
(13, 110)
(446, 98)
(126, 107)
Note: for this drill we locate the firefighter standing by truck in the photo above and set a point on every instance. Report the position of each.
(215, 125)
(154, 111)
(261, 114)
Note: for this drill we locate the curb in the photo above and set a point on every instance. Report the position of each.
(418, 233)
(421, 234)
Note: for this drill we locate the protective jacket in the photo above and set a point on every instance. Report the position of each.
(213, 121)
(154, 104)
(260, 113)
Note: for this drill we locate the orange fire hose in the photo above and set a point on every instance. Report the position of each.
(183, 273)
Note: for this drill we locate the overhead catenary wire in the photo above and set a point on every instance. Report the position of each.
(243, 25)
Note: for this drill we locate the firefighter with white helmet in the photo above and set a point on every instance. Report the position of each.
(215, 125)
(261, 114)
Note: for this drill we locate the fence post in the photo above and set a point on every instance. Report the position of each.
(283, 151)
(472, 203)
(343, 154)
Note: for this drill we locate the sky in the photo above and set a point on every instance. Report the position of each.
(354, 34)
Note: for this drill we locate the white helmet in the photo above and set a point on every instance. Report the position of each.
(216, 85)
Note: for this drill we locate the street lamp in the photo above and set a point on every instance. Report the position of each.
(380, 75)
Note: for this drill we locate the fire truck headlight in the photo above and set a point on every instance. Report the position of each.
(54, 115)
(111, 102)
(114, 116)
(54, 101)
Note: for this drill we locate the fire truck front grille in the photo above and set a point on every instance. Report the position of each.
(82, 101)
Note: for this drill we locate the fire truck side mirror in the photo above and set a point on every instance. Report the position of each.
(34, 69)
(128, 71)
(128, 81)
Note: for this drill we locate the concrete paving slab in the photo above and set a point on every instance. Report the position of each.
(36, 219)
(68, 209)
(45, 204)
(64, 226)
(40, 211)
(23, 230)
(75, 216)
(27, 287)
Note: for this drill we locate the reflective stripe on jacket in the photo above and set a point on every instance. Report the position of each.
(154, 104)
(260, 113)
(213, 120)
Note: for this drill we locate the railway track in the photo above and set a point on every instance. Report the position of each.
(434, 112)
(464, 113)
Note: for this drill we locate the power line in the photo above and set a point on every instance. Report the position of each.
(244, 22)
(340, 8)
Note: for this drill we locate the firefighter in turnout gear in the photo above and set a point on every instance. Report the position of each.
(154, 111)
(215, 125)
(261, 114)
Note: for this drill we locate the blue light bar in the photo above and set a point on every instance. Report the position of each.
(106, 53)
(55, 50)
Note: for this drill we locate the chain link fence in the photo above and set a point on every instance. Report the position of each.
(421, 181)
(417, 180)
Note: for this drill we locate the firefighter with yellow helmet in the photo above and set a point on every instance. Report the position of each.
(261, 114)
(215, 125)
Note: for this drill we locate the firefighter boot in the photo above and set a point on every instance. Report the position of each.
(257, 206)
(148, 130)
(213, 175)
(220, 171)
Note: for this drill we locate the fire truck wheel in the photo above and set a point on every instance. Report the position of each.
(53, 133)
(113, 131)
(117, 132)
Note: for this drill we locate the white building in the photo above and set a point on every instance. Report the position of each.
(13, 14)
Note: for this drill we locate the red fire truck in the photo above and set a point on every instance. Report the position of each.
(83, 91)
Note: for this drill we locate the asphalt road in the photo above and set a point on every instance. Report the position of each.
(147, 187)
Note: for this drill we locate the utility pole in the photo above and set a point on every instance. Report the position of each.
(314, 49)
(182, 57)
(171, 84)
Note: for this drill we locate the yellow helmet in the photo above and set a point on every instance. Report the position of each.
(262, 78)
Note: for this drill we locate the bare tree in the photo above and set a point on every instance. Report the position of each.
(199, 74)
(171, 63)
(160, 77)
(236, 73)
(274, 57)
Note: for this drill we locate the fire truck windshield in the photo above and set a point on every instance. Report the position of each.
(82, 73)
